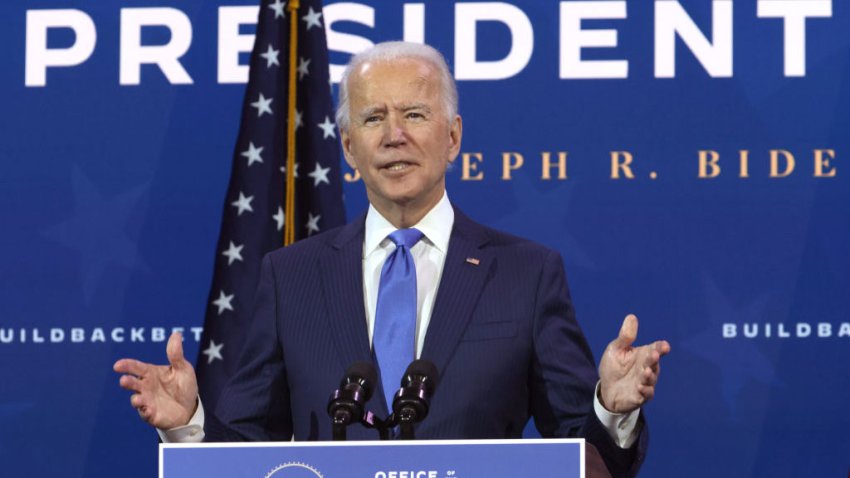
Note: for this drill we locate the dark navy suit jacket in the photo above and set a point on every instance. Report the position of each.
(502, 334)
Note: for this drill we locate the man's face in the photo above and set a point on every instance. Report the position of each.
(399, 136)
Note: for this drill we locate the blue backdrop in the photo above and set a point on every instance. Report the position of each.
(111, 198)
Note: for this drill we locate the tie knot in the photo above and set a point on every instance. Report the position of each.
(406, 237)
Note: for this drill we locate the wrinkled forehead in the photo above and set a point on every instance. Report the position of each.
(382, 79)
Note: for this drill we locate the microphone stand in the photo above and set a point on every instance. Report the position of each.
(370, 420)
(404, 420)
(341, 420)
(405, 423)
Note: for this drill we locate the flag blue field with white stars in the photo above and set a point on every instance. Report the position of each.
(253, 217)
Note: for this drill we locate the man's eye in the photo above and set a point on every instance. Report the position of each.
(414, 115)
(372, 119)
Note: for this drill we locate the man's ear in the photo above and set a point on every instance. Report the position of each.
(346, 149)
(455, 135)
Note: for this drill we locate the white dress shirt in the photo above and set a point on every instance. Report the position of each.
(429, 256)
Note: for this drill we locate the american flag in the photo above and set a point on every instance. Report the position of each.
(254, 209)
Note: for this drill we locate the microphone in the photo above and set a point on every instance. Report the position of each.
(347, 404)
(412, 402)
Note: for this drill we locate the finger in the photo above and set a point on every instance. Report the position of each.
(132, 367)
(655, 351)
(651, 357)
(647, 392)
(649, 377)
(146, 414)
(174, 350)
(137, 401)
(628, 331)
(656, 368)
(131, 383)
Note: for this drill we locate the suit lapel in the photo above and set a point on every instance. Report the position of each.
(459, 290)
(342, 281)
(465, 272)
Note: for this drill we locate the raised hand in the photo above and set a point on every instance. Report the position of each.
(628, 374)
(165, 395)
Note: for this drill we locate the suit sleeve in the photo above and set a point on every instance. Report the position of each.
(255, 404)
(564, 376)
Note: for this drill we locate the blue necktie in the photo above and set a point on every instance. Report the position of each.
(395, 313)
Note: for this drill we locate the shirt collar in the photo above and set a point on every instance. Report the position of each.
(436, 226)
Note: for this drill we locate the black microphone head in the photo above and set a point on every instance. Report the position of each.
(364, 374)
(347, 405)
(412, 401)
(423, 371)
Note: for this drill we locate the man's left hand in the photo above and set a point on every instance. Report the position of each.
(629, 374)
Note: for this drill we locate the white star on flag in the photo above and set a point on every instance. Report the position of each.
(295, 173)
(253, 154)
(278, 218)
(303, 67)
(328, 128)
(271, 56)
(243, 204)
(313, 19)
(299, 119)
(320, 175)
(263, 105)
(213, 352)
(312, 223)
(223, 302)
(277, 6)
(233, 253)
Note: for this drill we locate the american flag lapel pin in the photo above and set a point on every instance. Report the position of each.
(474, 261)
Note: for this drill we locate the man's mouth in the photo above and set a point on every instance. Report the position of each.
(397, 166)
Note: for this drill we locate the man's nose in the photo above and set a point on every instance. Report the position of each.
(395, 133)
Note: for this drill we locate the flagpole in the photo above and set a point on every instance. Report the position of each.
(250, 230)
(289, 213)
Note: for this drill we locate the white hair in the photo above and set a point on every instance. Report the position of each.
(397, 50)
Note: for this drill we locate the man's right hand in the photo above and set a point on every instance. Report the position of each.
(165, 395)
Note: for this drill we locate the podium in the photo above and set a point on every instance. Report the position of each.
(540, 458)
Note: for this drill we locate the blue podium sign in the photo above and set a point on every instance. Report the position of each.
(562, 458)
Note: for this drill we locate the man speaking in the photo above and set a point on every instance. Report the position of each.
(412, 278)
